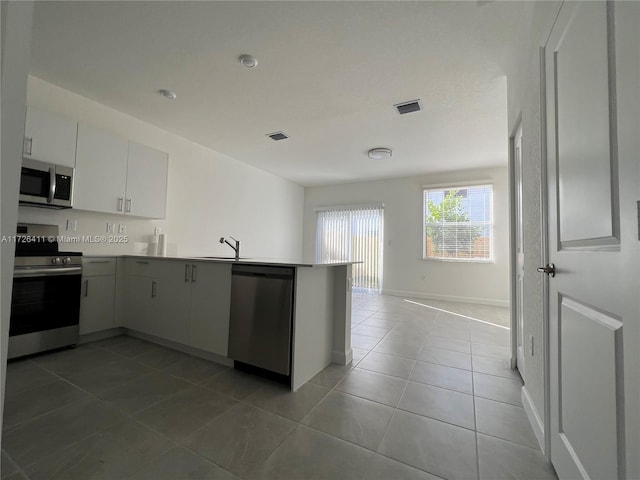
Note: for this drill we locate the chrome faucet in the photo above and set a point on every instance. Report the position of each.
(236, 248)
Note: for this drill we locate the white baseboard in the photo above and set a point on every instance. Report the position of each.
(533, 416)
(196, 352)
(448, 298)
(342, 358)
(102, 335)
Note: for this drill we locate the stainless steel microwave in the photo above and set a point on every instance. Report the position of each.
(45, 184)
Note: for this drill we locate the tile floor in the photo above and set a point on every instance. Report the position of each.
(428, 395)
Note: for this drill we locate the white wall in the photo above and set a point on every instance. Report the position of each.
(15, 36)
(523, 101)
(209, 195)
(403, 264)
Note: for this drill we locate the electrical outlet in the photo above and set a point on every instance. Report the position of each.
(122, 229)
(72, 225)
(109, 227)
(531, 345)
(157, 231)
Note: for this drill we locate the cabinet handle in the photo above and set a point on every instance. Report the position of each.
(86, 287)
(193, 273)
(187, 272)
(99, 261)
(154, 289)
(28, 145)
(141, 262)
(52, 184)
(120, 204)
(128, 205)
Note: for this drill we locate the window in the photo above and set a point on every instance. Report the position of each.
(458, 223)
(353, 234)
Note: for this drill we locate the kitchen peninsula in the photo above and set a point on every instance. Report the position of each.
(185, 303)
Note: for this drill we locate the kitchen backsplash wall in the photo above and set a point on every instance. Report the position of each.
(209, 195)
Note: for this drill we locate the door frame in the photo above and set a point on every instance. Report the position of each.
(544, 250)
(513, 260)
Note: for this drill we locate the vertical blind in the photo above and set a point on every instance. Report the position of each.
(458, 223)
(353, 234)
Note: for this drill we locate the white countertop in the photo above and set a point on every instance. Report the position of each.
(282, 262)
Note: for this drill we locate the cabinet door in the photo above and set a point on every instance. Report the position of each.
(140, 299)
(101, 170)
(50, 137)
(146, 181)
(210, 300)
(171, 317)
(97, 303)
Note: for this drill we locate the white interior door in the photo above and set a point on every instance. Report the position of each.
(519, 245)
(592, 154)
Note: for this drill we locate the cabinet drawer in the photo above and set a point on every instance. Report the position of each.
(141, 266)
(98, 266)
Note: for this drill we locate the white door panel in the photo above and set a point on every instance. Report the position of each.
(581, 332)
(589, 298)
(585, 205)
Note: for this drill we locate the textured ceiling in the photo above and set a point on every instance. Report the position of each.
(329, 74)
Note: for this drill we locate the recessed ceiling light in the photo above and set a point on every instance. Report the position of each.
(248, 61)
(380, 153)
(168, 94)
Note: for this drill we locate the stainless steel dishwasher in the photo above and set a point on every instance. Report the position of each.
(261, 317)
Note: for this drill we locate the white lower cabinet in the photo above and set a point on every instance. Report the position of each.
(185, 302)
(173, 298)
(210, 303)
(97, 301)
(139, 304)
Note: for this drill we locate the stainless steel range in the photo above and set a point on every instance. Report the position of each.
(45, 303)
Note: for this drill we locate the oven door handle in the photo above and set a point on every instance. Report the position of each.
(46, 271)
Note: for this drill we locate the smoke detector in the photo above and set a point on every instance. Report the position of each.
(168, 94)
(248, 61)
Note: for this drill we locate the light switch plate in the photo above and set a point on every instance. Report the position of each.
(122, 228)
(110, 227)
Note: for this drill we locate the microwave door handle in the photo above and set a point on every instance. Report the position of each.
(52, 184)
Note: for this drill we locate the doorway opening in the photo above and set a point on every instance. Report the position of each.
(348, 234)
(518, 245)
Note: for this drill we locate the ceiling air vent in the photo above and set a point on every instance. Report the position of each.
(277, 136)
(408, 107)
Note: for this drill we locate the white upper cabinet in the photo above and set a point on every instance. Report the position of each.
(101, 170)
(114, 175)
(146, 181)
(50, 137)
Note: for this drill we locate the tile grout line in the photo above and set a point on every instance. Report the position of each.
(475, 415)
(133, 415)
(386, 430)
(375, 451)
(125, 415)
(298, 423)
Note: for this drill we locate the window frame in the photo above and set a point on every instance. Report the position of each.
(490, 224)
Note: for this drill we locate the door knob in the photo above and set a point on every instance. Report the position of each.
(550, 269)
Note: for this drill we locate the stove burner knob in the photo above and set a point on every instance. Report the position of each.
(56, 261)
(66, 260)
